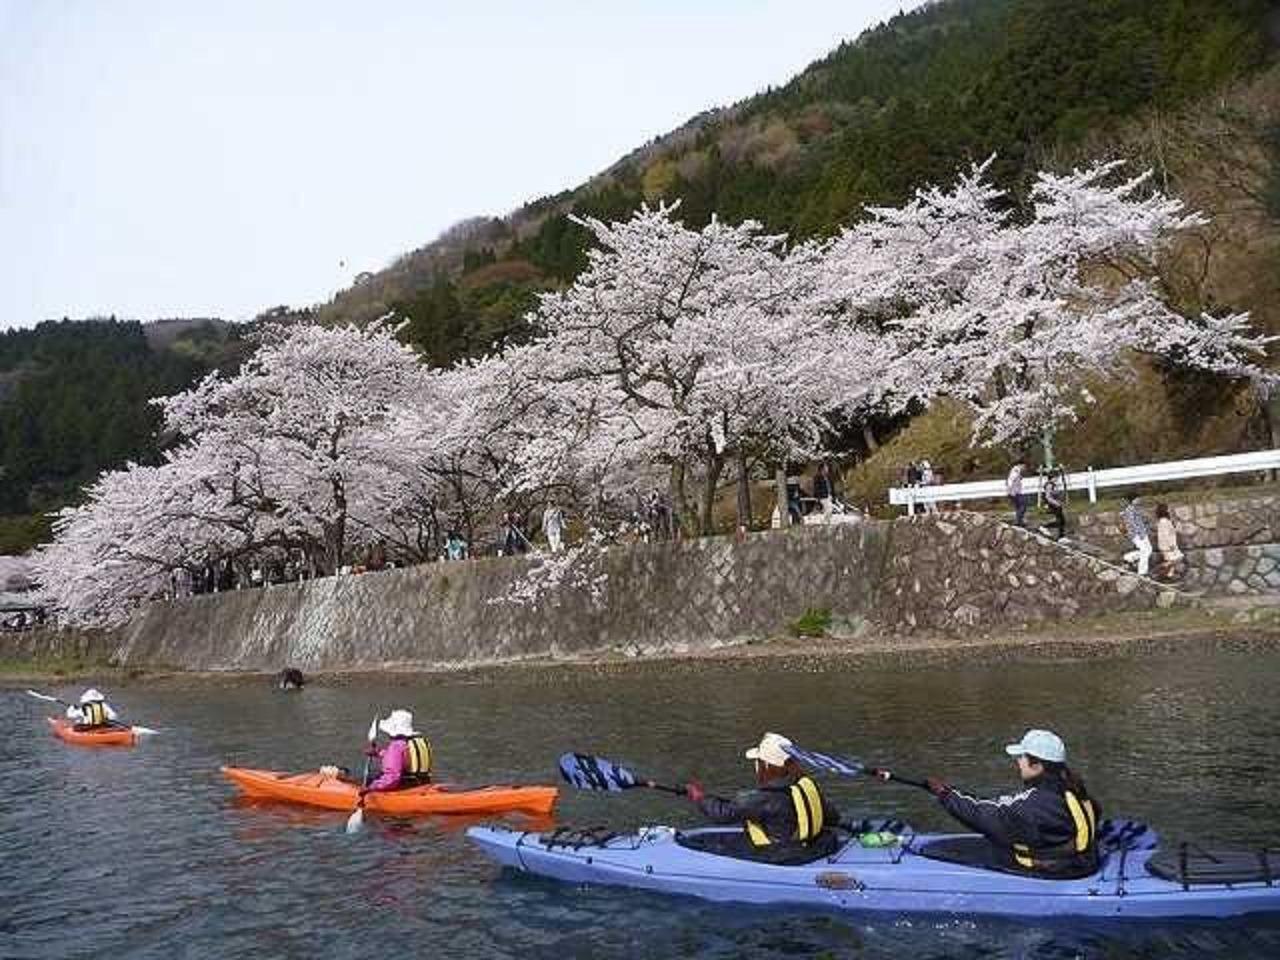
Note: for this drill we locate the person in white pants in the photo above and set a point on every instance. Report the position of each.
(553, 527)
(1136, 525)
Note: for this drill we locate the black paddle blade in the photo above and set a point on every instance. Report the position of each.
(588, 772)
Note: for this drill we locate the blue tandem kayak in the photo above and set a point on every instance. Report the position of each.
(912, 874)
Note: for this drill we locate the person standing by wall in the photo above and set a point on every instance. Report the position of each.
(553, 527)
(1054, 503)
(1136, 526)
(1014, 487)
(1167, 541)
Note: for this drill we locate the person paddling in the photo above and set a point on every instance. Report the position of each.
(93, 712)
(1049, 828)
(405, 761)
(784, 813)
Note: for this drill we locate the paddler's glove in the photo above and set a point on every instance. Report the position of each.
(693, 790)
(371, 750)
(937, 787)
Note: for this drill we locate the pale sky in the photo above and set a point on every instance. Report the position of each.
(185, 158)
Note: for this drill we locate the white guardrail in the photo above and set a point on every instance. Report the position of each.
(1091, 479)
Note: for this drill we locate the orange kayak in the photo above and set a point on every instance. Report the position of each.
(318, 790)
(103, 737)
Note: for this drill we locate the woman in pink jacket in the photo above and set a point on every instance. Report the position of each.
(406, 759)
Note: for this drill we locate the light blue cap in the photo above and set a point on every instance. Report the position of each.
(1041, 744)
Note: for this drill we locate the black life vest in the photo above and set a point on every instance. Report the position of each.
(93, 714)
(1077, 855)
(809, 817)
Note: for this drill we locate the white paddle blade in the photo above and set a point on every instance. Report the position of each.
(373, 730)
(145, 731)
(356, 820)
(42, 696)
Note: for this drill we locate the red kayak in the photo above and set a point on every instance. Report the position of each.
(320, 790)
(97, 737)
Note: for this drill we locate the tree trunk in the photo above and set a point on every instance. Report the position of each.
(679, 500)
(1046, 442)
(744, 492)
(715, 465)
(869, 438)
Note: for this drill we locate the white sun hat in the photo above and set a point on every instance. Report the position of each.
(1041, 744)
(91, 696)
(398, 724)
(771, 750)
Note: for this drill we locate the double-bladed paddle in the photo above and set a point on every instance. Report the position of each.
(847, 766)
(589, 772)
(356, 820)
(140, 731)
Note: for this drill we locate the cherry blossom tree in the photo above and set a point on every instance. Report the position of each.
(1013, 316)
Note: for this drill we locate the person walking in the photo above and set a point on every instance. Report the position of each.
(1167, 541)
(1054, 501)
(928, 479)
(1013, 484)
(553, 527)
(823, 491)
(1136, 526)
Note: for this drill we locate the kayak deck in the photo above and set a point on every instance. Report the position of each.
(894, 879)
(105, 737)
(319, 790)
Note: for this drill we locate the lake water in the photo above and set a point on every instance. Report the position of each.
(148, 853)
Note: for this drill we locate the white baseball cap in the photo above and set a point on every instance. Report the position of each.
(398, 724)
(770, 750)
(1041, 744)
(91, 696)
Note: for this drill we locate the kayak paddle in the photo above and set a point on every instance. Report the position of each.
(887, 775)
(356, 820)
(588, 772)
(140, 731)
(847, 766)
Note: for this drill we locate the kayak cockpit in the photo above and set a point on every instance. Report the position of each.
(734, 844)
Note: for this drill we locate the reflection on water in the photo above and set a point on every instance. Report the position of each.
(149, 852)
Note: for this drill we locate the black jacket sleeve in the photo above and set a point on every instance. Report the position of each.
(747, 805)
(1004, 821)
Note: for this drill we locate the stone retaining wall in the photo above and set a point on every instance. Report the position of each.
(1239, 521)
(925, 573)
(1234, 571)
(965, 571)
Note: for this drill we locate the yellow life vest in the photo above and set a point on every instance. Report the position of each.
(1086, 832)
(809, 818)
(418, 755)
(93, 714)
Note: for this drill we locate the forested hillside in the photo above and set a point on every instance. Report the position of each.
(905, 104)
(73, 401)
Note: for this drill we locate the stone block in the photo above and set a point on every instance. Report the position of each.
(1126, 585)
(1237, 586)
(1166, 599)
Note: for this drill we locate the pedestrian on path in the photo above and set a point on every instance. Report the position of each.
(1014, 487)
(1053, 502)
(1136, 526)
(553, 526)
(1167, 541)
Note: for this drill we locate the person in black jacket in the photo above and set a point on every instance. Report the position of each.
(1048, 829)
(785, 810)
